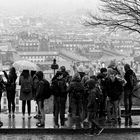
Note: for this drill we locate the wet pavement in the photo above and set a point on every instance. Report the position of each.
(26, 129)
(18, 122)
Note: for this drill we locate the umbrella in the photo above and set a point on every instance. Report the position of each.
(25, 65)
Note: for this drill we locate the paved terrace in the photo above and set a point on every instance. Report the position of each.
(18, 125)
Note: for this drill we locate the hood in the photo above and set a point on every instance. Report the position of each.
(130, 72)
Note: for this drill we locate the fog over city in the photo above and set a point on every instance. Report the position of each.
(40, 7)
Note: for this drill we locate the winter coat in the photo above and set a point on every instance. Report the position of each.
(35, 85)
(93, 101)
(76, 87)
(40, 91)
(127, 76)
(114, 89)
(24, 96)
(11, 82)
(2, 85)
(58, 87)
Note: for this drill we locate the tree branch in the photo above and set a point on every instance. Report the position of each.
(118, 15)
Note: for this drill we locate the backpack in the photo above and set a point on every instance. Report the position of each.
(78, 91)
(46, 90)
(62, 86)
(26, 86)
(133, 80)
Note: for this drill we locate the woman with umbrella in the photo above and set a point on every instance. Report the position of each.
(26, 94)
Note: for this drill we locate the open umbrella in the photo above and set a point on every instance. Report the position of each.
(25, 65)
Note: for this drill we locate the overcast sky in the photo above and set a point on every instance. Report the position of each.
(39, 6)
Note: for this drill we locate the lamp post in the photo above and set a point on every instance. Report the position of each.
(54, 66)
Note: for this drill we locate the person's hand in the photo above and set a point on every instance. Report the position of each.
(107, 98)
(86, 120)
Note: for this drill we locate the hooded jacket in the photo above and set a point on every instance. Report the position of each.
(127, 77)
(76, 86)
(114, 89)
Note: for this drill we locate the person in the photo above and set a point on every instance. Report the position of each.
(65, 73)
(2, 88)
(114, 89)
(26, 95)
(92, 107)
(85, 96)
(128, 88)
(42, 93)
(11, 90)
(60, 96)
(102, 78)
(76, 93)
(35, 86)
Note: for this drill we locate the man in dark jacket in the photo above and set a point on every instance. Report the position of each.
(60, 96)
(76, 92)
(128, 88)
(101, 78)
(114, 91)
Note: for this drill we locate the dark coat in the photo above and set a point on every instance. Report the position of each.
(58, 87)
(76, 86)
(127, 77)
(93, 101)
(41, 93)
(2, 85)
(114, 89)
(24, 96)
(10, 85)
(11, 82)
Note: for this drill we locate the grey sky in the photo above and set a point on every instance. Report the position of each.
(40, 6)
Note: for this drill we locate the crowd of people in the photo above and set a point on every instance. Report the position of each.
(89, 97)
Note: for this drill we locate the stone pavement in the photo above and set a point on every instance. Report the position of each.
(19, 125)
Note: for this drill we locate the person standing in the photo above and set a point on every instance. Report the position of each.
(59, 90)
(11, 90)
(26, 95)
(114, 89)
(42, 93)
(101, 79)
(35, 86)
(92, 107)
(76, 93)
(128, 88)
(2, 88)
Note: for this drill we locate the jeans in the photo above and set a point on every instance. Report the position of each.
(28, 105)
(59, 108)
(77, 107)
(128, 101)
(41, 109)
(11, 101)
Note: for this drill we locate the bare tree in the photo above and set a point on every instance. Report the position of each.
(117, 15)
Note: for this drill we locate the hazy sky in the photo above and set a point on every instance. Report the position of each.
(40, 6)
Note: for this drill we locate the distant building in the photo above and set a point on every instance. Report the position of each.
(28, 45)
(45, 57)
